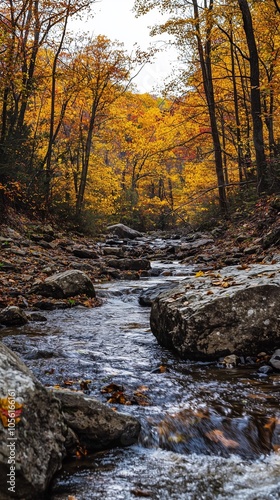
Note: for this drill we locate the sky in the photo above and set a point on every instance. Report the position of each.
(115, 19)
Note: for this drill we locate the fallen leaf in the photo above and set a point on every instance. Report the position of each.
(143, 388)
(112, 388)
(199, 274)
(218, 436)
(270, 424)
(68, 382)
(84, 384)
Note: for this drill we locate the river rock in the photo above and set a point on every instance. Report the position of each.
(216, 314)
(13, 316)
(65, 284)
(85, 253)
(147, 297)
(97, 426)
(129, 264)
(275, 360)
(124, 231)
(31, 438)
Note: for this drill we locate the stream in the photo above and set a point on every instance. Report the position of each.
(205, 429)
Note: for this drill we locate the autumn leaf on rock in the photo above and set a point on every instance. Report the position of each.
(199, 274)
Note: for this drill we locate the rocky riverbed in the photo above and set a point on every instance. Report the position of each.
(45, 270)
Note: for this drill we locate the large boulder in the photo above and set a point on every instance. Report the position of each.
(65, 284)
(235, 311)
(97, 426)
(124, 231)
(32, 431)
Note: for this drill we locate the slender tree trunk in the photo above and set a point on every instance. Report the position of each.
(85, 162)
(255, 98)
(236, 111)
(52, 132)
(205, 63)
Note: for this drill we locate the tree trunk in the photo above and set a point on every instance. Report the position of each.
(205, 63)
(255, 98)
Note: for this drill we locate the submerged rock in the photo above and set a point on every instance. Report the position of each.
(210, 432)
(31, 431)
(65, 284)
(97, 426)
(212, 315)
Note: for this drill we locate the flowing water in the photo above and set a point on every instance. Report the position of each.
(207, 432)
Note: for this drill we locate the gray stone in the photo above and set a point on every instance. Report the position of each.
(85, 253)
(65, 284)
(34, 440)
(13, 316)
(129, 264)
(124, 231)
(265, 369)
(147, 297)
(231, 361)
(96, 425)
(230, 312)
(275, 360)
(271, 238)
(113, 251)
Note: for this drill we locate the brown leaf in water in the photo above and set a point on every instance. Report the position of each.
(112, 388)
(201, 414)
(119, 398)
(143, 388)
(260, 396)
(218, 436)
(270, 424)
(141, 399)
(84, 384)
(50, 371)
(68, 382)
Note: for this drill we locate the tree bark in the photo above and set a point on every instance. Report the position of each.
(255, 98)
(206, 67)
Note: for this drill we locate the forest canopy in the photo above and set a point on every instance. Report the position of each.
(78, 141)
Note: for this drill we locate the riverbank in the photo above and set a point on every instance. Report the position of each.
(32, 251)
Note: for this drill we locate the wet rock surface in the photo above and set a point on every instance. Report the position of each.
(13, 316)
(32, 430)
(124, 231)
(97, 426)
(66, 284)
(234, 311)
